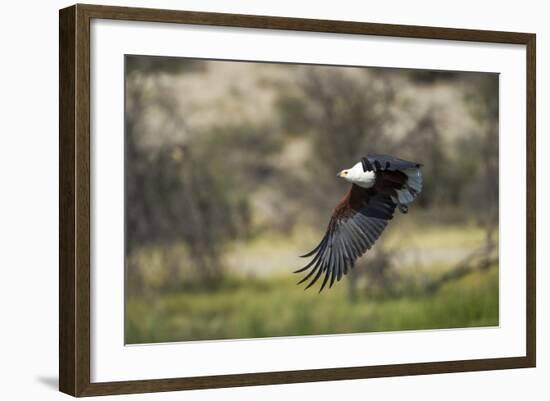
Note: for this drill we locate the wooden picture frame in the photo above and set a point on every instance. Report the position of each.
(74, 203)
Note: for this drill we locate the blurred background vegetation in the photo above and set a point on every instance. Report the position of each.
(230, 175)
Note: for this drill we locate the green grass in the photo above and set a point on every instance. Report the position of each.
(467, 236)
(275, 306)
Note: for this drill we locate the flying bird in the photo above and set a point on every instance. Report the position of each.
(379, 184)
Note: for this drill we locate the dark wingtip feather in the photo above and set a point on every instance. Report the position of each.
(306, 255)
(315, 267)
(319, 246)
(333, 274)
(319, 268)
(325, 280)
(314, 279)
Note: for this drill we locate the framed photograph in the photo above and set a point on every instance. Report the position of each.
(250, 200)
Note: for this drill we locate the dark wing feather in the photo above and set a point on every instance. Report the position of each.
(379, 162)
(356, 224)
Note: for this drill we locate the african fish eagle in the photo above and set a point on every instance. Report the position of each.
(379, 184)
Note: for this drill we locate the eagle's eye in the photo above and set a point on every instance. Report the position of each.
(345, 173)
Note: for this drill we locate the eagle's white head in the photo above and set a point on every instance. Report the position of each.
(357, 176)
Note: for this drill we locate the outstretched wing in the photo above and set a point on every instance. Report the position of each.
(404, 177)
(354, 227)
(377, 162)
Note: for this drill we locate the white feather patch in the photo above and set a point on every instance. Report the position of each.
(404, 196)
(365, 179)
(414, 180)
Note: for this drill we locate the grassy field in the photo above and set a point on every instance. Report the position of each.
(259, 307)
